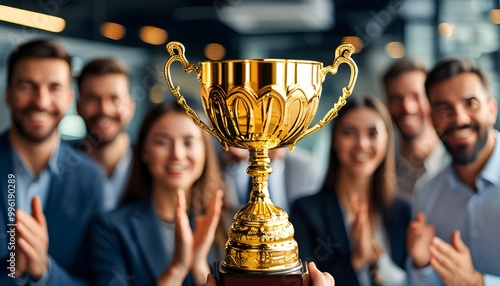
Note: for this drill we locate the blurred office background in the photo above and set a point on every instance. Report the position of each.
(137, 31)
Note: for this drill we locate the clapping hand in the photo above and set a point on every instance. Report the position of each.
(192, 247)
(204, 235)
(453, 262)
(32, 241)
(418, 241)
(364, 251)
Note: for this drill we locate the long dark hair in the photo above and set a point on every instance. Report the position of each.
(384, 184)
(140, 183)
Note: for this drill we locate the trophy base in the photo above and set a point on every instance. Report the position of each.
(297, 276)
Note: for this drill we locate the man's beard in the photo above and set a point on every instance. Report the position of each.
(411, 137)
(24, 132)
(460, 154)
(96, 138)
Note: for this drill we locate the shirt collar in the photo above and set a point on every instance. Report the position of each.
(123, 165)
(52, 164)
(436, 159)
(490, 170)
(54, 158)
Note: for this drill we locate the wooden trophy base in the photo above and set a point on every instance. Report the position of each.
(297, 276)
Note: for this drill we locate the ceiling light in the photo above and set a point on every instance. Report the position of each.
(157, 93)
(214, 51)
(395, 50)
(355, 41)
(251, 17)
(32, 19)
(445, 30)
(153, 35)
(495, 16)
(112, 30)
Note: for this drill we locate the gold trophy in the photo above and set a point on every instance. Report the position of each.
(261, 104)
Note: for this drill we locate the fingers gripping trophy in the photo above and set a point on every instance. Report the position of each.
(261, 104)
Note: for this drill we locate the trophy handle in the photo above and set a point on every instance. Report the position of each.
(342, 55)
(176, 51)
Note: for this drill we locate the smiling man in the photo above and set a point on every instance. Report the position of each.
(57, 190)
(421, 154)
(106, 107)
(454, 239)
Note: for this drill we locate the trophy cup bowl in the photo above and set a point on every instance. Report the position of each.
(261, 104)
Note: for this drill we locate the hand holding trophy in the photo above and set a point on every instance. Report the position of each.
(261, 104)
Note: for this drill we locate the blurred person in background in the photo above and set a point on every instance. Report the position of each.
(454, 237)
(106, 106)
(355, 227)
(295, 174)
(421, 153)
(57, 190)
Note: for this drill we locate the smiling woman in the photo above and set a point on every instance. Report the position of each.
(175, 185)
(366, 222)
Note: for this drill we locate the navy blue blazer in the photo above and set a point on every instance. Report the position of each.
(321, 234)
(127, 247)
(75, 196)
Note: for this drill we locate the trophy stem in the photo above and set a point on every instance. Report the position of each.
(259, 171)
(261, 238)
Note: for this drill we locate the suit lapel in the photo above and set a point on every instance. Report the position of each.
(147, 234)
(58, 191)
(335, 220)
(61, 208)
(395, 226)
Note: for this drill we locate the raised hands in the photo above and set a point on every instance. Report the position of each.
(453, 263)
(32, 241)
(192, 247)
(418, 240)
(204, 235)
(365, 250)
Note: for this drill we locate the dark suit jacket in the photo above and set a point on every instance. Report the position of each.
(127, 247)
(75, 196)
(321, 234)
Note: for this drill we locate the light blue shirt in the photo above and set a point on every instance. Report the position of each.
(451, 205)
(409, 176)
(114, 185)
(276, 183)
(28, 186)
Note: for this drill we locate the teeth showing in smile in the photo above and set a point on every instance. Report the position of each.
(409, 120)
(103, 121)
(361, 156)
(462, 133)
(175, 168)
(39, 115)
